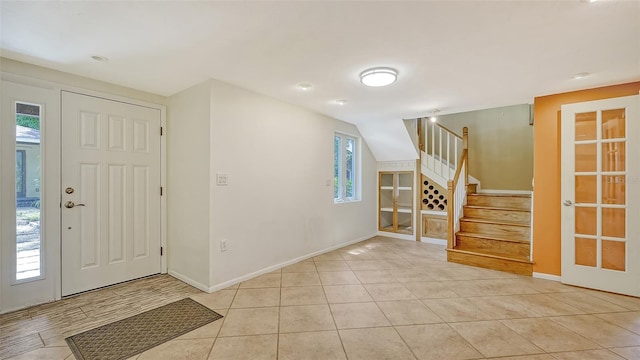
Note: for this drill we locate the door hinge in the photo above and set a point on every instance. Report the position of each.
(161, 131)
(161, 250)
(161, 190)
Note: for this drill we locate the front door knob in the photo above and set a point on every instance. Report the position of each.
(70, 204)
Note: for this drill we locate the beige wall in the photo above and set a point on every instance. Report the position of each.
(188, 123)
(500, 145)
(278, 204)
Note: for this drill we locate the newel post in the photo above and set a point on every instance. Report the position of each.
(450, 214)
(465, 146)
(465, 137)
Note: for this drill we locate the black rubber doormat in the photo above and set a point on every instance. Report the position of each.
(125, 338)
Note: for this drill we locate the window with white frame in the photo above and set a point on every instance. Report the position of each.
(345, 160)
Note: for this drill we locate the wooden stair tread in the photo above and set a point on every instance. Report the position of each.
(527, 196)
(492, 237)
(497, 222)
(481, 207)
(497, 257)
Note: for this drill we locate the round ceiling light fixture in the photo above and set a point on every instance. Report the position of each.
(341, 102)
(378, 76)
(100, 58)
(304, 86)
(581, 75)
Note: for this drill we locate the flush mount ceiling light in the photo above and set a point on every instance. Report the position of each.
(100, 58)
(341, 102)
(304, 86)
(380, 76)
(581, 75)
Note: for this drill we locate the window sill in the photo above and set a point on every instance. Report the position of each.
(335, 202)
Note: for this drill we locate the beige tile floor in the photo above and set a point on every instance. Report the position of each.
(378, 299)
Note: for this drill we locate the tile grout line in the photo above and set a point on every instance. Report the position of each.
(215, 340)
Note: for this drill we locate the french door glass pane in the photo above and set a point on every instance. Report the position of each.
(28, 169)
(613, 190)
(613, 222)
(613, 125)
(586, 220)
(586, 126)
(586, 187)
(586, 155)
(613, 255)
(613, 156)
(586, 252)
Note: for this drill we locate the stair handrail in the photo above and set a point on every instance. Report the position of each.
(457, 192)
(442, 162)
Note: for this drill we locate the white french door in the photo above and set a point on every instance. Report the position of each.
(601, 195)
(110, 192)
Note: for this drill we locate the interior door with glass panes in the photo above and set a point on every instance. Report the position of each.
(601, 195)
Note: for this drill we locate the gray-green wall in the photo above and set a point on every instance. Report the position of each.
(500, 145)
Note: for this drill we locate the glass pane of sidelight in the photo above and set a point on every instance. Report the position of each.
(613, 189)
(586, 220)
(613, 156)
(613, 124)
(28, 167)
(586, 126)
(613, 255)
(586, 156)
(586, 252)
(586, 189)
(613, 223)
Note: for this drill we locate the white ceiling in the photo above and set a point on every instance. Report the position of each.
(451, 55)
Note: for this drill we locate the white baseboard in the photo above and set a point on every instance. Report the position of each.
(433, 241)
(396, 236)
(271, 268)
(514, 192)
(546, 276)
(188, 280)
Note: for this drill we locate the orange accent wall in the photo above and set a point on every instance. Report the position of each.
(546, 170)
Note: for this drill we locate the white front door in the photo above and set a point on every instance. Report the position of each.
(601, 195)
(110, 192)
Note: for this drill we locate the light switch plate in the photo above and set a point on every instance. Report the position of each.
(222, 179)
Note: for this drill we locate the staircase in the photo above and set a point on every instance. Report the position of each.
(492, 231)
(495, 233)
